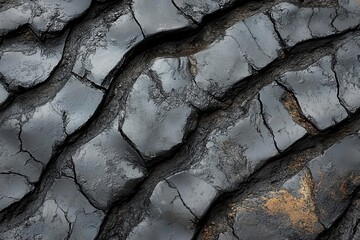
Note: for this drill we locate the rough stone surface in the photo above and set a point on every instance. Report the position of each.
(316, 91)
(179, 119)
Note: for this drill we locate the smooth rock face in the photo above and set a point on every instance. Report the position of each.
(27, 63)
(159, 17)
(106, 45)
(42, 15)
(316, 91)
(347, 70)
(234, 153)
(107, 168)
(283, 127)
(64, 212)
(153, 122)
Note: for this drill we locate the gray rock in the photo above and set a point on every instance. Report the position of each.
(27, 63)
(285, 130)
(220, 66)
(50, 123)
(199, 8)
(107, 168)
(232, 154)
(65, 212)
(316, 91)
(348, 15)
(13, 187)
(335, 177)
(3, 94)
(320, 24)
(159, 17)
(292, 22)
(196, 194)
(347, 70)
(154, 122)
(257, 40)
(42, 15)
(105, 46)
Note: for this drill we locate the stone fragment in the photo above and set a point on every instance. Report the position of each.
(199, 8)
(105, 46)
(232, 154)
(347, 69)
(257, 40)
(3, 94)
(42, 15)
(285, 130)
(52, 122)
(336, 175)
(315, 88)
(153, 121)
(27, 63)
(12, 188)
(159, 17)
(348, 15)
(220, 67)
(107, 168)
(292, 22)
(65, 212)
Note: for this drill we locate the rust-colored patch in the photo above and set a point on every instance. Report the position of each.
(300, 211)
(293, 108)
(211, 231)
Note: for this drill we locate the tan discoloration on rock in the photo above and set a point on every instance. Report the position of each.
(293, 108)
(300, 211)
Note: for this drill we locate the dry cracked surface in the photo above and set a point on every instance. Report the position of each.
(204, 119)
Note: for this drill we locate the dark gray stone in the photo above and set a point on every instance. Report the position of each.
(65, 212)
(347, 70)
(336, 176)
(233, 153)
(159, 17)
(107, 168)
(283, 127)
(105, 46)
(153, 121)
(257, 40)
(220, 66)
(316, 91)
(27, 63)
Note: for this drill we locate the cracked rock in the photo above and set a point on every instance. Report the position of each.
(3, 94)
(285, 130)
(199, 8)
(52, 122)
(232, 154)
(107, 168)
(347, 69)
(315, 89)
(156, 122)
(348, 15)
(26, 63)
(220, 67)
(65, 213)
(42, 15)
(13, 187)
(168, 217)
(257, 40)
(176, 204)
(106, 44)
(159, 17)
(335, 177)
